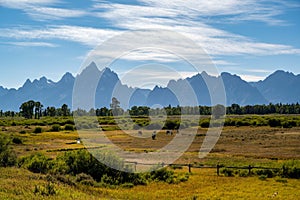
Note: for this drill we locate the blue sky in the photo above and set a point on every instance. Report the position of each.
(251, 38)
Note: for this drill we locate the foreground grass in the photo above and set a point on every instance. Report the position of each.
(16, 183)
(238, 146)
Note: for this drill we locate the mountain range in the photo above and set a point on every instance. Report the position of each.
(279, 87)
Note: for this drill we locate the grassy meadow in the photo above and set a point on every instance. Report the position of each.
(246, 140)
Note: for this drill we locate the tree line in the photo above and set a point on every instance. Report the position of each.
(35, 109)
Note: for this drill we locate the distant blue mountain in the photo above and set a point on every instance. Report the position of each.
(278, 87)
(281, 87)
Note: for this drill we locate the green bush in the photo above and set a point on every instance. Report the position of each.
(227, 172)
(274, 122)
(242, 173)
(87, 169)
(162, 175)
(281, 180)
(289, 124)
(266, 172)
(229, 122)
(204, 123)
(59, 166)
(85, 179)
(47, 190)
(127, 185)
(17, 140)
(8, 158)
(291, 169)
(136, 127)
(37, 163)
(66, 179)
(242, 123)
(69, 127)
(172, 124)
(55, 128)
(109, 180)
(154, 126)
(70, 121)
(263, 177)
(7, 155)
(38, 130)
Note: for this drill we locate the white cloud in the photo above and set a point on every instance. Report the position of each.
(239, 10)
(39, 9)
(20, 4)
(31, 44)
(45, 13)
(148, 76)
(252, 78)
(258, 70)
(187, 22)
(185, 17)
(84, 35)
(148, 54)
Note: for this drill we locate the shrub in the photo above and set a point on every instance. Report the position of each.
(109, 180)
(281, 180)
(38, 130)
(127, 185)
(227, 172)
(55, 128)
(69, 127)
(59, 166)
(154, 126)
(274, 122)
(176, 166)
(263, 177)
(8, 158)
(242, 173)
(37, 163)
(85, 179)
(172, 124)
(7, 155)
(289, 124)
(162, 175)
(204, 124)
(241, 123)
(70, 121)
(46, 190)
(266, 172)
(291, 169)
(136, 127)
(39, 123)
(66, 179)
(17, 140)
(229, 122)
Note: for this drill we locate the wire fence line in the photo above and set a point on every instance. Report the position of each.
(217, 167)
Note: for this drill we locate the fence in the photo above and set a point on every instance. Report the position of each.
(217, 167)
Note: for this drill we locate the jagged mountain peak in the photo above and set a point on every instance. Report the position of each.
(67, 76)
(280, 86)
(279, 75)
(27, 83)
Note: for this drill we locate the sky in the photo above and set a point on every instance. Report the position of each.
(250, 38)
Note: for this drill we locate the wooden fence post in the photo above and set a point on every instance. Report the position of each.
(135, 164)
(283, 171)
(190, 166)
(218, 169)
(249, 170)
